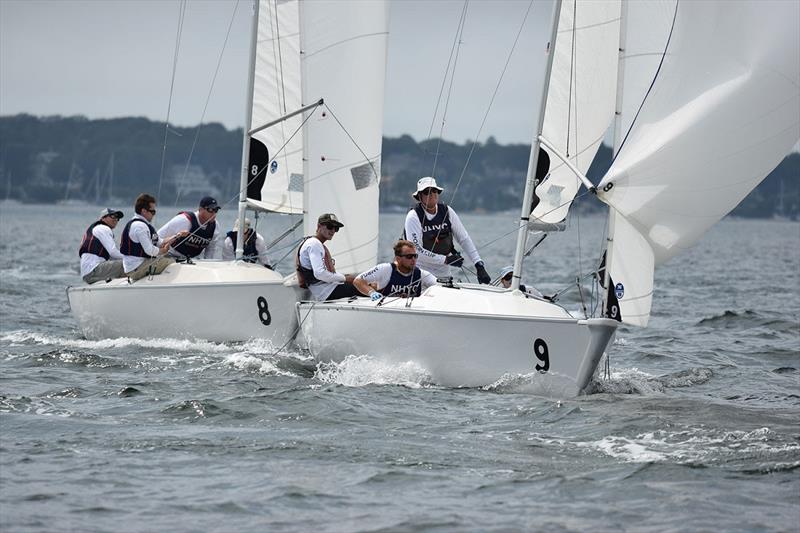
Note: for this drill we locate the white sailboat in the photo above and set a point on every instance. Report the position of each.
(302, 54)
(702, 122)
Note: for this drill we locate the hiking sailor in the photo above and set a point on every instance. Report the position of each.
(314, 264)
(255, 249)
(142, 249)
(402, 278)
(201, 228)
(432, 227)
(100, 258)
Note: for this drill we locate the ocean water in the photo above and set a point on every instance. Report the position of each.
(697, 426)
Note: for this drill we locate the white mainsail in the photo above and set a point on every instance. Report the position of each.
(343, 62)
(723, 111)
(277, 92)
(580, 101)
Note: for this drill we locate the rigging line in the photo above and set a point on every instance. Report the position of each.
(453, 59)
(571, 70)
(491, 102)
(208, 99)
(280, 55)
(181, 16)
(652, 83)
(371, 164)
(459, 36)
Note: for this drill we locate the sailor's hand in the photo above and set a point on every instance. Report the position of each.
(454, 260)
(375, 296)
(483, 276)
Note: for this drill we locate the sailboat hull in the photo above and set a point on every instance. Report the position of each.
(214, 301)
(503, 333)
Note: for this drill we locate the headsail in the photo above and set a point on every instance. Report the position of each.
(722, 112)
(580, 101)
(277, 92)
(344, 63)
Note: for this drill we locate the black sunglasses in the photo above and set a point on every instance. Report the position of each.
(508, 277)
(409, 256)
(151, 211)
(332, 227)
(429, 190)
(212, 209)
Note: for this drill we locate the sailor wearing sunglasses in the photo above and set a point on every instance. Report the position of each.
(314, 264)
(199, 230)
(402, 278)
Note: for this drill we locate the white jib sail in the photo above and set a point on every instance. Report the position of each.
(580, 100)
(344, 63)
(276, 92)
(723, 111)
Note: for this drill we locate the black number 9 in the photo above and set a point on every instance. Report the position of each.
(263, 311)
(542, 354)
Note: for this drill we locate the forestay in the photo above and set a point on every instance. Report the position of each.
(722, 112)
(344, 45)
(581, 98)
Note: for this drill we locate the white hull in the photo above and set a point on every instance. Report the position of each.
(209, 300)
(468, 337)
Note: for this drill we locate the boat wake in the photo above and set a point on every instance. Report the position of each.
(361, 370)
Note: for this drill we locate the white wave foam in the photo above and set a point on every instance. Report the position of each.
(549, 385)
(178, 345)
(357, 371)
(691, 445)
(252, 363)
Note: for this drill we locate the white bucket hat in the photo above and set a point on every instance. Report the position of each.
(425, 183)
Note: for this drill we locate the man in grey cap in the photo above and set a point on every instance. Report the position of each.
(100, 257)
(314, 264)
(198, 230)
(433, 227)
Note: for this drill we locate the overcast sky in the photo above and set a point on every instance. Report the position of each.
(113, 58)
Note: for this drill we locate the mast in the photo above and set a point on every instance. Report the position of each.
(547, 27)
(623, 22)
(246, 133)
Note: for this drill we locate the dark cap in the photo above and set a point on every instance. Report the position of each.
(108, 212)
(208, 201)
(330, 218)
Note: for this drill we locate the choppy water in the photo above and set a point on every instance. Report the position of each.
(697, 428)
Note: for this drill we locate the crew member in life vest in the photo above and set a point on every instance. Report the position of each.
(100, 258)
(433, 227)
(402, 278)
(504, 279)
(201, 228)
(255, 249)
(142, 249)
(314, 264)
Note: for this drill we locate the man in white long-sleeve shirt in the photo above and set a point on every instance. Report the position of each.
(100, 258)
(432, 227)
(255, 248)
(314, 264)
(142, 249)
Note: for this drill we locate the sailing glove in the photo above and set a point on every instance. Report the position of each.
(375, 296)
(454, 260)
(483, 276)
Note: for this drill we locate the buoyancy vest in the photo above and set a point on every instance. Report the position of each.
(250, 252)
(437, 235)
(403, 285)
(92, 245)
(305, 276)
(199, 236)
(128, 247)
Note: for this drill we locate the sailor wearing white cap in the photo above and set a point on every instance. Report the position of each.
(504, 279)
(433, 227)
(100, 257)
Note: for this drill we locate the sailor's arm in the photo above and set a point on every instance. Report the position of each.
(463, 238)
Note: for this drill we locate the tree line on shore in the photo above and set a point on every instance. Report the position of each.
(52, 159)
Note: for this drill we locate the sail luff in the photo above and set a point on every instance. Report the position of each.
(245, 135)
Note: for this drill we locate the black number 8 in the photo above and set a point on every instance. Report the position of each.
(542, 354)
(263, 311)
